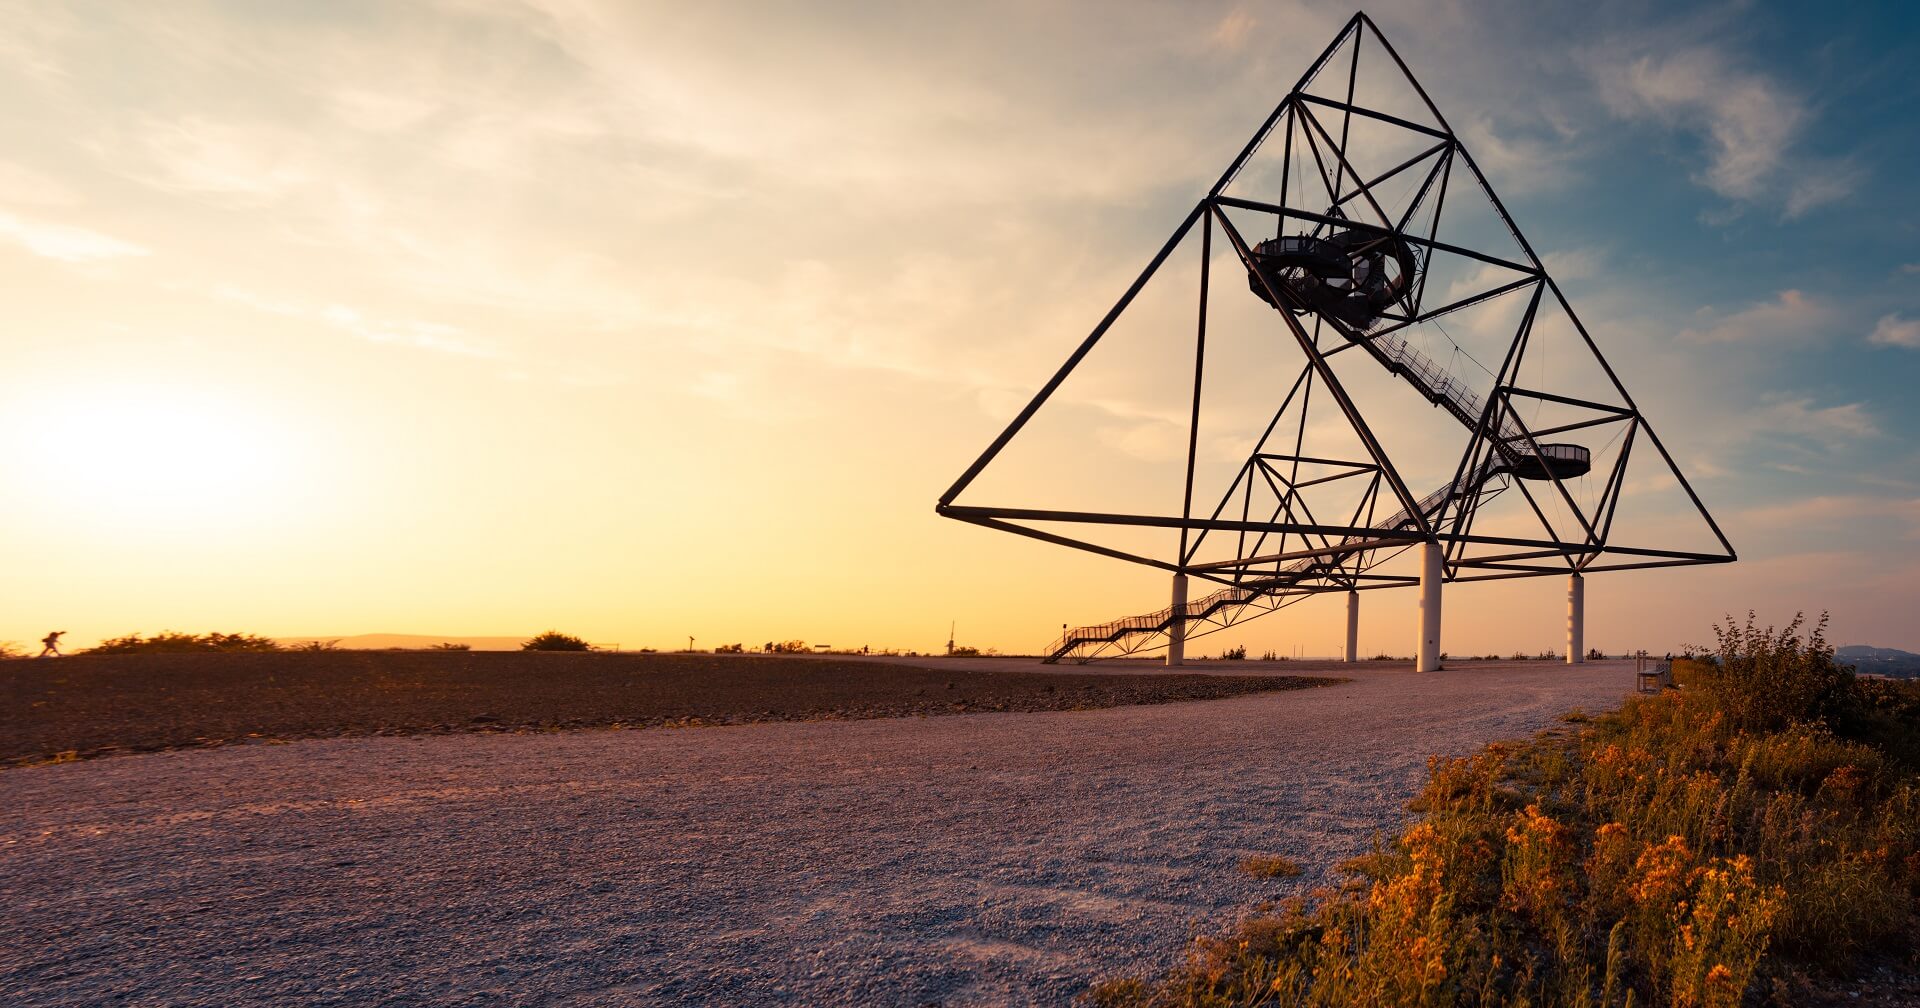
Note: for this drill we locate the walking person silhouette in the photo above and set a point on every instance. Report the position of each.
(50, 644)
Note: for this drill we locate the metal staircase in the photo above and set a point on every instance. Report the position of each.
(1230, 605)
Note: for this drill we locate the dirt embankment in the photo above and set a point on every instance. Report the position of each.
(86, 706)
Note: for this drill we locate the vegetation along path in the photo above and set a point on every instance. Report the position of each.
(997, 858)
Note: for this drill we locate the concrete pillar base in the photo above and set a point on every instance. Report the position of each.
(1428, 654)
(1353, 626)
(1576, 620)
(1177, 632)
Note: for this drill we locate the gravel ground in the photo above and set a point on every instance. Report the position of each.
(979, 859)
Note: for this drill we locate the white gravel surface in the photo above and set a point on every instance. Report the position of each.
(976, 859)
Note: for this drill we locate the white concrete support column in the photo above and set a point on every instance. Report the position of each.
(1177, 631)
(1576, 620)
(1353, 626)
(1431, 554)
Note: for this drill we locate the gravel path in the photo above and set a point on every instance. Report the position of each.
(979, 859)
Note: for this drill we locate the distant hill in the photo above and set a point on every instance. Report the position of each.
(381, 641)
(1880, 661)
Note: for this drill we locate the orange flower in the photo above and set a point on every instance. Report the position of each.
(1661, 872)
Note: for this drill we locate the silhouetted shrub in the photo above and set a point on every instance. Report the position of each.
(1768, 679)
(172, 642)
(554, 640)
(450, 646)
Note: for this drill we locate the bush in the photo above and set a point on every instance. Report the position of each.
(1768, 679)
(449, 646)
(171, 642)
(1689, 849)
(554, 640)
(315, 645)
(1234, 653)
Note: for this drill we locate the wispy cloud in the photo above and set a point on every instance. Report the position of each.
(245, 162)
(20, 184)
(64, 242)
(1895, 330)
(1750, 123)
(1838, 510)
(1791, 317)
(1233, 30)
(419, 335)
(1831, 427)
(1520, 163)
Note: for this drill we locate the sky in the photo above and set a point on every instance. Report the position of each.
(647, 321)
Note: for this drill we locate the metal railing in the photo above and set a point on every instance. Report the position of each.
(1441, 387)
(1438, 384)
(1152, 622)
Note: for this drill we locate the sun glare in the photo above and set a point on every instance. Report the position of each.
(146, 458)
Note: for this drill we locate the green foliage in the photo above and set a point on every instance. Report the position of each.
(554, 640)
(1686, 850)
(1768, 679)
(172, 642)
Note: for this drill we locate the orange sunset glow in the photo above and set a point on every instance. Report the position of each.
(1247, 503)
(486, 319)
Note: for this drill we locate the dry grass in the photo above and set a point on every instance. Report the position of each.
(1269, 866)
(1704, 847)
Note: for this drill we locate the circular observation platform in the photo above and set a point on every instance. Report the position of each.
(1349, 275)
(1555, 461)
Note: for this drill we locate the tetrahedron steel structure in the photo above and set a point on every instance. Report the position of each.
(1356, 220)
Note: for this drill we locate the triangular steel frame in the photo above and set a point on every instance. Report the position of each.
(1334, 556)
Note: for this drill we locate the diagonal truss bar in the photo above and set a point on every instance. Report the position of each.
(1319, 363)
(1073, 361)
